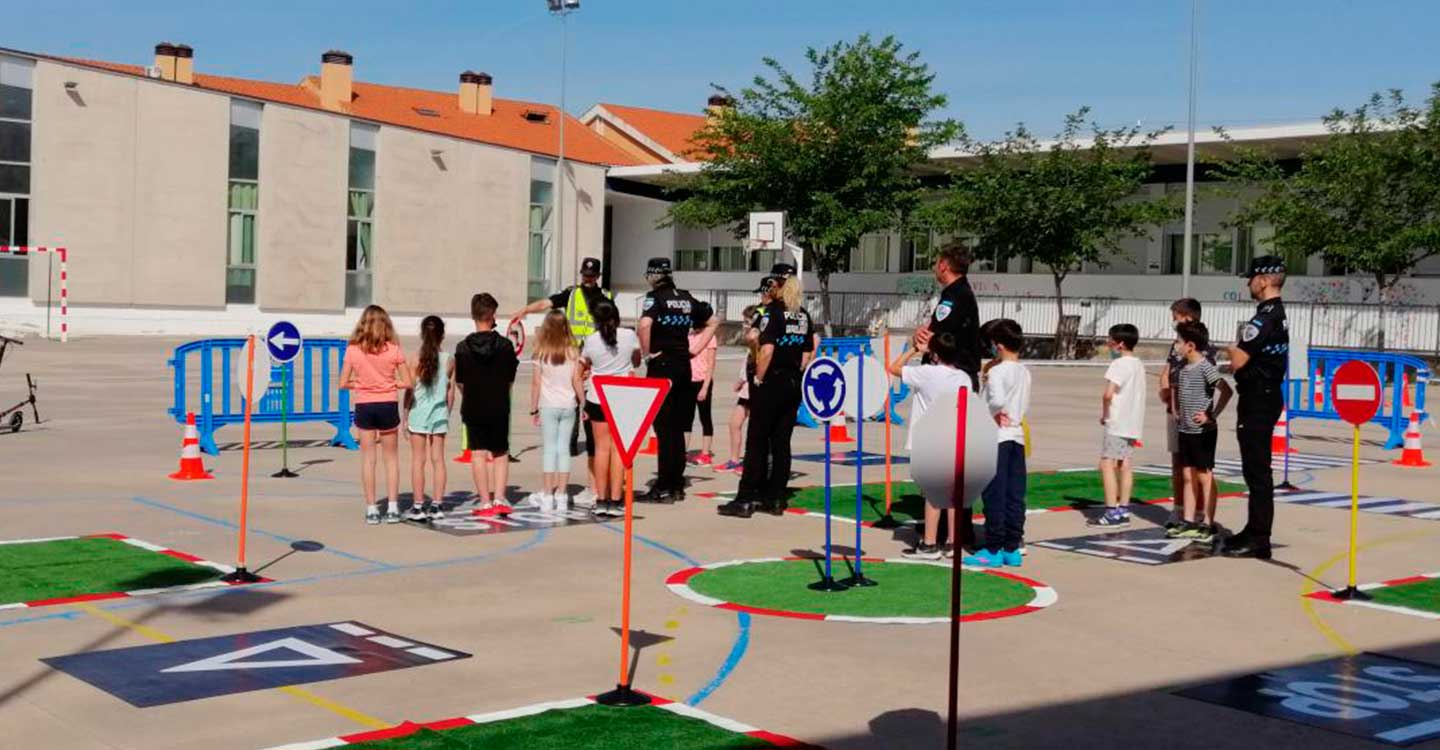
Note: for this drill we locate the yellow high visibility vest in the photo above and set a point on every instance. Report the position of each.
(577, 311)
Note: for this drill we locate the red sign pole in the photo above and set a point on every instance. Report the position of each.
(957, 503)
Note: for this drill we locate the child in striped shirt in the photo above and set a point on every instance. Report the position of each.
(1195, 405)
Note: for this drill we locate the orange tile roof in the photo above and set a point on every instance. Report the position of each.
(673, 130)
(396, 105)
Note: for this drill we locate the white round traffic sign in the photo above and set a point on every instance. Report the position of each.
(261, 370)
(876, 386)
(824, 388)
(932, 460)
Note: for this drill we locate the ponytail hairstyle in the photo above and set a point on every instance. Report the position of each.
(432, 332)
(607, 322)
(555, 344)
(374, 330)
(789, 292)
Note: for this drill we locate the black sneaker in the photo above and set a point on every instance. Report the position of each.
(922, 551)
(433, 511)
(416, 514)
(659, 497)
(775, 507)
(737, 508)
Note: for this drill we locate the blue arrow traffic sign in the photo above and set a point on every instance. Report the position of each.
(823, 388)
(283, 341)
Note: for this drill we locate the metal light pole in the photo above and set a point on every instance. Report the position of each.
(1190, 154)
(563, 9)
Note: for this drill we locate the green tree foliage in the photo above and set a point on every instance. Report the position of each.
(1060, 203)
(1367, 198)
(835, 150)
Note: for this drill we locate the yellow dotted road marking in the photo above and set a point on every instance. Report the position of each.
(1309, 586)
(291, 690)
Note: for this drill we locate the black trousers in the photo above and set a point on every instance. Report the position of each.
(773, 406)
(702, 408)
(1253, 433)
(670, 421)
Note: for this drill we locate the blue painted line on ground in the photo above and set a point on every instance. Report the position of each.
(66, 615)
(742, 621)
(260, 532)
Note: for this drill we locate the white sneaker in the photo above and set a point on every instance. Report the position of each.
(586, 498)
(531, 500)
(561, 503)
(547, 502)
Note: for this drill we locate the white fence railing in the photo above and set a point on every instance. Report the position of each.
(1407, 328)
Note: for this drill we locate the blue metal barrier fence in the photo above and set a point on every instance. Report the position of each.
(1391, 367)
(315, 398)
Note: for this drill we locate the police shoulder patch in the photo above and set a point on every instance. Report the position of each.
(942, 311)
(1250, 332)
(649, 301)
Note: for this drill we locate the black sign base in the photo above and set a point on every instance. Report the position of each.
(623, 696)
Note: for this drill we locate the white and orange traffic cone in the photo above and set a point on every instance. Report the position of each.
(1412, 454)
(1280, 436)
(1319, 390)
(191, 467)
(466, 456)
(839, 433)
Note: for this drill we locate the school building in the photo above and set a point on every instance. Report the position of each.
(198, 203)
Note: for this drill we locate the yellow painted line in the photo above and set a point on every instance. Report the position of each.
(1308, 604)
(291, 690)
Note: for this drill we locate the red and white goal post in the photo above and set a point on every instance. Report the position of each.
(64, 280)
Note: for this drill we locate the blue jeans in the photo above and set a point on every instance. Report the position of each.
(555, 426)
(1005, 500)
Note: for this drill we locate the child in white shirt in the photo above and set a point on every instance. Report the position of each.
(930, 381)
(1122, 412)
(1007, 393)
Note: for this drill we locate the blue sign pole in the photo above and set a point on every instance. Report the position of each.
(824, 379)
(859, 578)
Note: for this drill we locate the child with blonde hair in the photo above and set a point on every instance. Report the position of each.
(375, 373)
(556, 389)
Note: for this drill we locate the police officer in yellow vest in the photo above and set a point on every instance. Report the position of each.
(575, 301)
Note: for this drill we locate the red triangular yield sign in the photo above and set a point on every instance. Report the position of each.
(630, 406)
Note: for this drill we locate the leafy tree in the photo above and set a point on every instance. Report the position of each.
(835, 150)
(1367, 198)
(1060, 203)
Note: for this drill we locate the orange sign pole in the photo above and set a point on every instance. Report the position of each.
(887, 521)
(623, 695)
(241, 574)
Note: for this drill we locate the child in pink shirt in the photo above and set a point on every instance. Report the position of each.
(375, 373)
(702, 380)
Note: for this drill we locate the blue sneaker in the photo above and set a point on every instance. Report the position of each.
(1012, 558)
(984, 559)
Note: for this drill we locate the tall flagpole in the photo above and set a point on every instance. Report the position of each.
(1190, 155)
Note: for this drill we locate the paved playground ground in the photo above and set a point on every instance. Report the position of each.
(460, 628)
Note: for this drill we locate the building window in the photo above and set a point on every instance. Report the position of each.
(872, 256)
(16, 75)
(1211, 254)
(729, 258)
(915, 252)
(692, 260)
(762, 261)
(244, 202)
(360, 217)
(542, 206)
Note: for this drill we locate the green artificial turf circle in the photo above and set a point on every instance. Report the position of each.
(904, 590)
(1420, 595)
(592, 727)
(60, 568)
(1044, 489)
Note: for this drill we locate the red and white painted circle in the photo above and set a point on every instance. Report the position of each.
(678, 583)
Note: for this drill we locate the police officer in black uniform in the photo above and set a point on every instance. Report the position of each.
(1258, 360)
(667, 317)
(786, 339)
(958, 314)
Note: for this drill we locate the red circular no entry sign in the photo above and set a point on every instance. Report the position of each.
(1355, 391)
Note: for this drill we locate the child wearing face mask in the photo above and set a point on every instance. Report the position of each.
(1122, 413)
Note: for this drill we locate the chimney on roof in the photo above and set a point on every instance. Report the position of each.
(184, 64)
(718, 104)
(165, 60)
(336, 79)
(475, 93)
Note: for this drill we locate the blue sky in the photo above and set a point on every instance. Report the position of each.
(999, 61)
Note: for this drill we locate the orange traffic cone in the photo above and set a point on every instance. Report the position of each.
(465, 456)
(839, 433)
(191, 467)
(1413, 454)
(652, 447)
(1319, 390)
(1280, 436)
(1407, 399)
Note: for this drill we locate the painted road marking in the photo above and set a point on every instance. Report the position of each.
(1392, 506)
(1145, 546)
(177, 671)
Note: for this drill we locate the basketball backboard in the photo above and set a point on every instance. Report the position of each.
(767, 230)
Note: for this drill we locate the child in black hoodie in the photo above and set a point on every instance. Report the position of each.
(485, 365)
